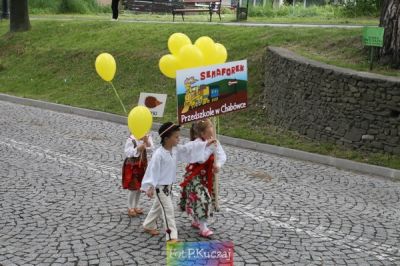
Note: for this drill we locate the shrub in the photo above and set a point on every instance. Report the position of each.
(66, 6)
(353, 8)
(74, 6)
(293, 11)
(319, 8)
(44, 6)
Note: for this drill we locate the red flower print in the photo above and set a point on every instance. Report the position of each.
(193, 197)
(189, 210)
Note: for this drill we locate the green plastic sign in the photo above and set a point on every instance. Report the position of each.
(373, 36)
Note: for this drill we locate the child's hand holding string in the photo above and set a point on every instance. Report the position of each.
(215, 168)
(141, 147)
(211, 141)
(150, 192)
(146, 141)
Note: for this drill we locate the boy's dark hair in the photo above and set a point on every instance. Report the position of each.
(166, 130)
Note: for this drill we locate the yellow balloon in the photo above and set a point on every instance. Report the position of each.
(106, 66)
(190, 56)
(221, 54)
(176, 41)
(168, 65)
(208, 48)
(139, 121)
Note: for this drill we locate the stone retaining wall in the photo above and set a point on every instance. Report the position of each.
(332, 104)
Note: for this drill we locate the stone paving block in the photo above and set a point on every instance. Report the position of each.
(62, 202)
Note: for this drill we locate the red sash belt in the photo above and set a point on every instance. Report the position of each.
(194, 170)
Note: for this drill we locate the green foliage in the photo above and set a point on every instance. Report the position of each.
(355, 8)
(295, 11)
(66, 6)
(55, 62)
(315, 8)
(44, 6)
(226, 10)
(260, 11)
(73, 6)
(318, 9)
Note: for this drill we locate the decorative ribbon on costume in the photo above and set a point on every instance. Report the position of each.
(142, 153)
(208, 165)
(168, 231)
(171, 126)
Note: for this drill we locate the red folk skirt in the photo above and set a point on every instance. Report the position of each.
(133, 171)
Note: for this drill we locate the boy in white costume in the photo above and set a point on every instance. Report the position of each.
(161, 174)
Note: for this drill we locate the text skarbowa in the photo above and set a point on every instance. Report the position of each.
(212, 112)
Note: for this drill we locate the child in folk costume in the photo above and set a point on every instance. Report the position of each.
(133, 171)
(197, 197)
(161, 174)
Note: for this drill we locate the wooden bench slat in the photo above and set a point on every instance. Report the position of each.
(200, 1)
(192, 10)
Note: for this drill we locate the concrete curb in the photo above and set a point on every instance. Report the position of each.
(240, 143)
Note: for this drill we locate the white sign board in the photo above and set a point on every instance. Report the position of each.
(155, 102)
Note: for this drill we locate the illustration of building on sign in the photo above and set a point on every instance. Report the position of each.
(196, 96)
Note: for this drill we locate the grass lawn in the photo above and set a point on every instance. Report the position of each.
(317, 20)
(225, 18)
(55, 62)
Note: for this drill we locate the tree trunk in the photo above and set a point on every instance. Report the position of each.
(390, 52)
(19, 18)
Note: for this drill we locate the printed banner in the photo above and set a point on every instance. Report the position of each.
(211, 91)
(155, 102)
(200, 253)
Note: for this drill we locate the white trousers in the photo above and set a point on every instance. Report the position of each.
(133, 198)
(162, 206)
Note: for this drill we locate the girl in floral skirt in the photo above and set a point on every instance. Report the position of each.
(197, 197)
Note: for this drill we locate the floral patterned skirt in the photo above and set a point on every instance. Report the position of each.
(195, 198)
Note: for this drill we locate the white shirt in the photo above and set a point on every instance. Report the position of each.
(219, 153)
(131, 150)
(163, 165)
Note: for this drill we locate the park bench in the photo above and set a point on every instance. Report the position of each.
(197, 6)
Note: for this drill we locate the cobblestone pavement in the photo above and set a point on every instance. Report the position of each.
(61, 202)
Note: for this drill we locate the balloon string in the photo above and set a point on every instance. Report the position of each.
(141, 159)
(116, 93)
(217, 126)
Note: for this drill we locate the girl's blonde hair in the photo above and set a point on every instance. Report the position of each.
(199, 127)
